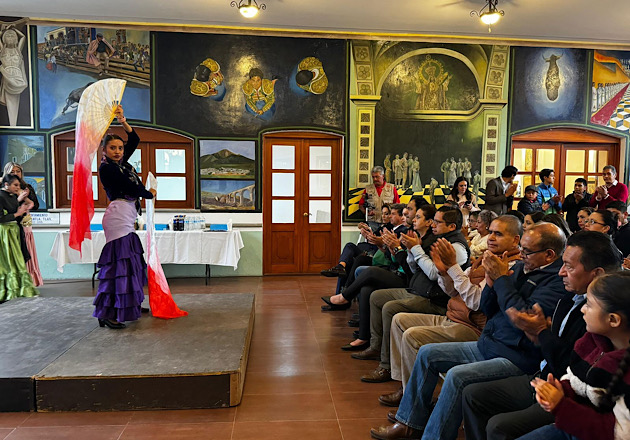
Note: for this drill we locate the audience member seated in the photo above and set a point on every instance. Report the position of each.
(559, 221)
(529, 203)
(463, 320)
(602, 221)
(610, 191)
(622, 237)
(532, 219)
(592, 400)
(583, 215)
(502, 350)
(424, 294)
(575, 201)
(506, 409)
(519, 215)
(472, 226)
(479, 244)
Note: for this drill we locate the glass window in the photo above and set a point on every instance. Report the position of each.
(320, 158)
(135, 160)
(283, 157)
(319, 185)
(569, 184)
(319, 211)
(545, 159)
(523, 159)
(575, 161)
(592, 161)
(283, 184)
(592, 183)
(169, 161)
(523, 181)
(602, 159)
(171, 188)
(282, 211)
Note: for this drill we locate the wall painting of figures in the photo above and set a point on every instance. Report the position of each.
(28, 151)
(610, 94)
(69, 59)
(549, 86)
(16, 92)
(228, 195)
(236, 85)
(227, 159)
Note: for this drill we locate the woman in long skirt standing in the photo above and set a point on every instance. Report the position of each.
(122, 272)
(32, 265)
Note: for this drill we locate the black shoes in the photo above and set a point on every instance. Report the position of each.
(108, 323)
(335, 271)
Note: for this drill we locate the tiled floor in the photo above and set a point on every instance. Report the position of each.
(299, 384)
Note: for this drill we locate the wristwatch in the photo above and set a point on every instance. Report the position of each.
(399, 249)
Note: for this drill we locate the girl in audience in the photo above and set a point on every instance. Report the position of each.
(465, 200)
(559, 221)
(32, 265)
(386, 212)
(583, 215)
(591, 401)
(15, 280)
(602, 221)
(122, 272)
(531, 219)
(479, 243)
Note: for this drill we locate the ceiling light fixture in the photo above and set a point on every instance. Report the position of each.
(491, 15)
(248, 8)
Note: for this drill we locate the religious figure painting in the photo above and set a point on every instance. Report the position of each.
(69, 59)
(228, 195)
(15, 74)
(431, 85)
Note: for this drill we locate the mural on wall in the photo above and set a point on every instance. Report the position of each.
(428, 84)
(610, 97)
(230, 195)
(549, 86)
(207, 81)
(15, 74)
(71, 58)
(28, 151)
(254, 83)
(226, 159)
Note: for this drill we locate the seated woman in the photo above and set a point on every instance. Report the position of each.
(602, 221)
(465, 200)
(479, 243)
(531, 219)
(15, 281)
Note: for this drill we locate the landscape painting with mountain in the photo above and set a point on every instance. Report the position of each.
(223, 159)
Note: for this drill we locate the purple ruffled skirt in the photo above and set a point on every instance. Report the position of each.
(123, 271)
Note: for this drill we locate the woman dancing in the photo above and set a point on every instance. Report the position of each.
(122, 272)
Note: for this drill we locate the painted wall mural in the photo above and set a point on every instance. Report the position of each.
(28, 151)
(610, 94)
(228, 195)
(549, 86)
(69, 59)
(15, 74)
(225, 159)
(242, 84)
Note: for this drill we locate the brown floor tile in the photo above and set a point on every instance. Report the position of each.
(359, 405)
(359, 429)
(333, 345)
(350, 381)
(277, 407)
(4, 432)
(280, 363)
(344, 332)
(67, 433)
(13, 420)
(77, 418)
(183, 416)
(210, 431)
(278, 383)
(342, 362)
(320, 430)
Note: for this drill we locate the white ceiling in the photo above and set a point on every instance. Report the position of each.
(588, 22)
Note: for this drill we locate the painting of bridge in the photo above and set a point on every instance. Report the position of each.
(229, 195)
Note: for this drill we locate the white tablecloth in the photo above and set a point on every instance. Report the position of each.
(174, 247)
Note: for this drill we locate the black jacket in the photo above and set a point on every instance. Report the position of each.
(572, 208)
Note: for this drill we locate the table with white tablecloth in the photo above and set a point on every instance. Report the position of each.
(173, 247)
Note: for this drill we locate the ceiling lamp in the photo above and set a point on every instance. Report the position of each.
(489, 16)
(248, 8)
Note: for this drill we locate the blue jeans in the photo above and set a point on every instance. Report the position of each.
(549, 432)
(464, 365)
(359, 270)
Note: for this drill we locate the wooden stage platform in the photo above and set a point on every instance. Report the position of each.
(55, 357)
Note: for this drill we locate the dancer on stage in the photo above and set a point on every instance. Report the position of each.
(122, 272)
(15, 280)
(32, 265)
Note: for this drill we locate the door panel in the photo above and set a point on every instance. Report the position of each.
(301, 202)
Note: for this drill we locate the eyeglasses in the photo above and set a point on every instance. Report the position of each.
(526, 253)
(590, 221)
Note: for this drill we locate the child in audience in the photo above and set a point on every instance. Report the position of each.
(592, 400)
(529, 203)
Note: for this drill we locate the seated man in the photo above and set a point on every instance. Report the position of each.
(502, 350)
(622, 237)
(507, 408)
(423, 295)
(463, 320)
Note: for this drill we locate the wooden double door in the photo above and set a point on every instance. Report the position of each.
(302, 183)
